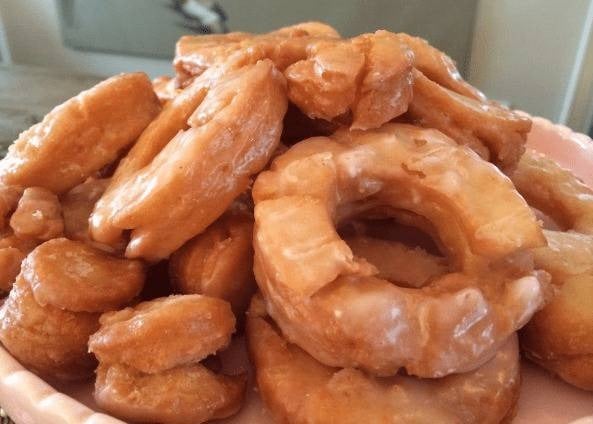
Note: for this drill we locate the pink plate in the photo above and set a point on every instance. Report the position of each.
(544, 399)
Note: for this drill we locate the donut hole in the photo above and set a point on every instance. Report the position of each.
(297, 126)
(403, 254)
(390, 229)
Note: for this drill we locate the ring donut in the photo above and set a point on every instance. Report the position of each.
(218, 262)
(494, 132)
(560, 336)
(189, 394)
(298, 389)
(196, 54)
(439, 67)
(82, 135)
(152, 336)
(50, 341)
(328, 302)
(367, 79)
(149, 356)
(74, 276)
(196, 176)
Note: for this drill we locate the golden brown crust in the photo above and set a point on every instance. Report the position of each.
(195, 54)
(149, 354)
(45, 339)
(298, 389)
(171, 120)
(189, 394)
(82, 135)
(439, 67)
(555, 191)
(195, 178)
(367, 79)
(163, 333)
(218, 262)
(74, 276)
(560, 336)
(492, 131)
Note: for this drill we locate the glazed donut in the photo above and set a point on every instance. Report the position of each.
(195, 54)
(218, 262)
(155, 336)
(190, 394)
(196, 176)
(369, 76)
(38, 215)
(53, 306)
(298, 389)
(555, 191)
(82, 135)
(171, 120)
(560, 336)
(50, 341)
(148, 361)
(73, 276)
(492, 131)
(328, 302)
(439, 67)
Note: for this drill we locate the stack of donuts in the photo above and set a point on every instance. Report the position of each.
(366, 221)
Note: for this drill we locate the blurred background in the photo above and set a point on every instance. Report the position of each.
(535, 55)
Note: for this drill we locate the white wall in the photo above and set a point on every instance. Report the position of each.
(579, 107)
(527, 52)
(32, 30)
